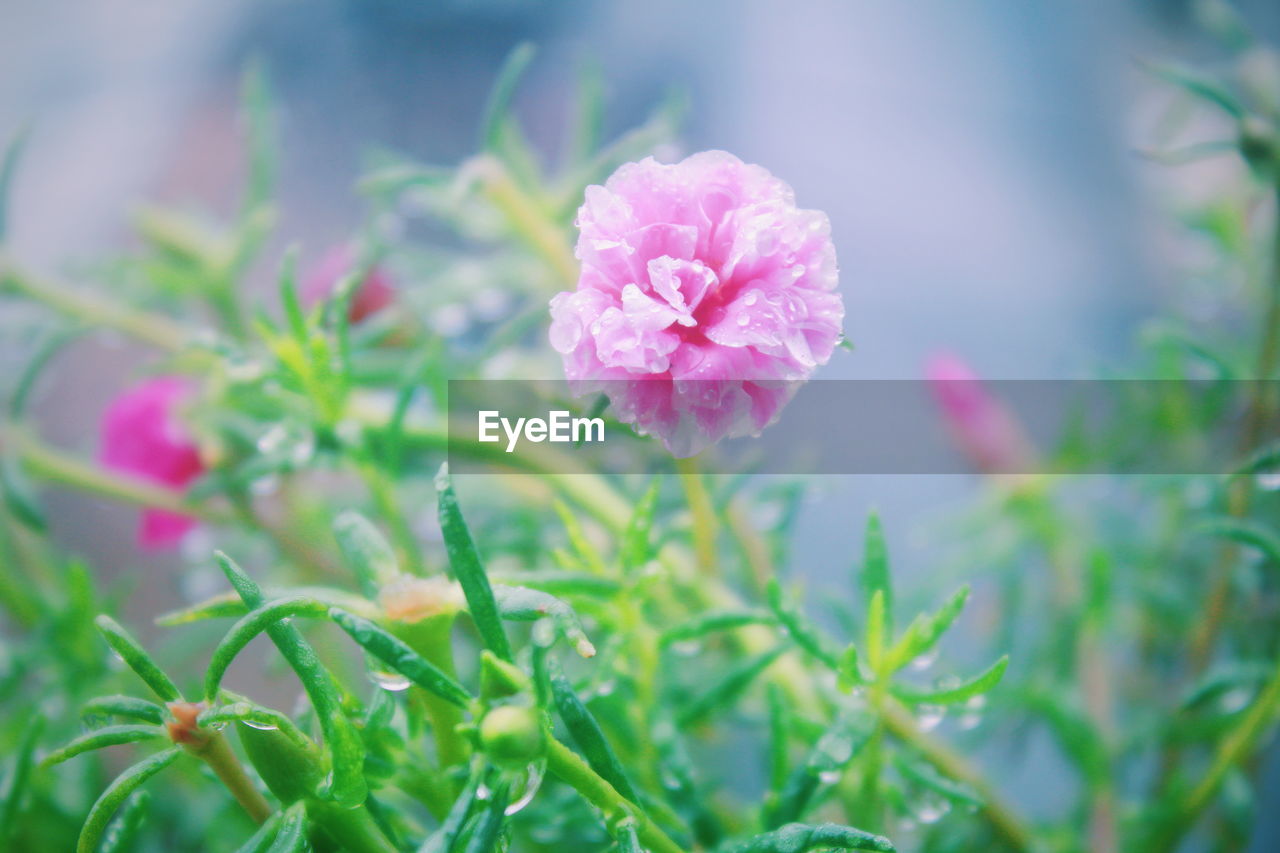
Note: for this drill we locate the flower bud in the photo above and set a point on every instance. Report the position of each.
(512, 736)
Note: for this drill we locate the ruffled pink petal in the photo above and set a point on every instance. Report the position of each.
(702, 285)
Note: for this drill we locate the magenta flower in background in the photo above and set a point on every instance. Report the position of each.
(705, 296)
(143, 436)
(982, 425)
(371, 295)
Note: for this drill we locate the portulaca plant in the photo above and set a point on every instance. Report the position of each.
(601, 662)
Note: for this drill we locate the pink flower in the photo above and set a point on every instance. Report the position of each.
(705, 296)
(142, 436)
(982, 425)
(371, 295)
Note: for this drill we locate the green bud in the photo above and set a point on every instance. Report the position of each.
(499, 679)
(513, 736)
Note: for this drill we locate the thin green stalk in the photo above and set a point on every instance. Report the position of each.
(528, 220)
(217, 753)
(1234, 749)
(55, 466)
(383, 493)
(574, 771)
(705, 525)
(154, 329)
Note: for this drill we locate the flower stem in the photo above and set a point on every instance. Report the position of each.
(217, 753)
(704, 514)
(532, 225)
(154, 329)
(55, 466)
(573, 771)
(1002, 818)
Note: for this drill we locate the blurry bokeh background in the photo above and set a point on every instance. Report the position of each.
(977, 160)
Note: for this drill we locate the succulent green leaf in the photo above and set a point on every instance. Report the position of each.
(964, 691)
(123, 829)
(250, 625)
(801, 837)
(99, 738)
(1245, 532)
(261, 839)
(849, 672)
(367, 552)
(95, 825)
(255, 716)
(496, 110)
(291, 837)
(469, 570)
(874, 576)
(123, 706)
(488, 830)
(1197, 86)
(582, 547)
(713, 622)
(392, 651)
(15, 787)
(342, 741)
(19, 496)
(635, 549)
(926, 629)
(442, 840)
(723, 694)
(521, 604)
(587, 734)
(137, 659)
(806, 635)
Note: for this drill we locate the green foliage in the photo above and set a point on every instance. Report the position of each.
(1136, 630)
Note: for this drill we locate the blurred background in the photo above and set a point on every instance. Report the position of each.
(978, 161)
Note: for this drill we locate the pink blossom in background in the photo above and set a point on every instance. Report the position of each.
(705, 296)
(371, 295)
(982, 425)
(143, 436)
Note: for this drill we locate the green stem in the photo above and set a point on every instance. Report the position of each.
(573, 771)
(1232, 750)
(383, 493)
(217, 753)
(1003, 819)
(157, 330)
(55, 466)
(529, 222)
(704, 514)
(353, 829)
(432, 638)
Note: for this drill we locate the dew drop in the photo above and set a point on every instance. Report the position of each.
(1268, 481)
(392, 681)
(931, 809)
(532, 781)
(925, 660)
(1234, 700)
(928, 716)
(686, 648)
(829, 777)
(751, 298)
(743, 319)
(972, 715)
(260, 726)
